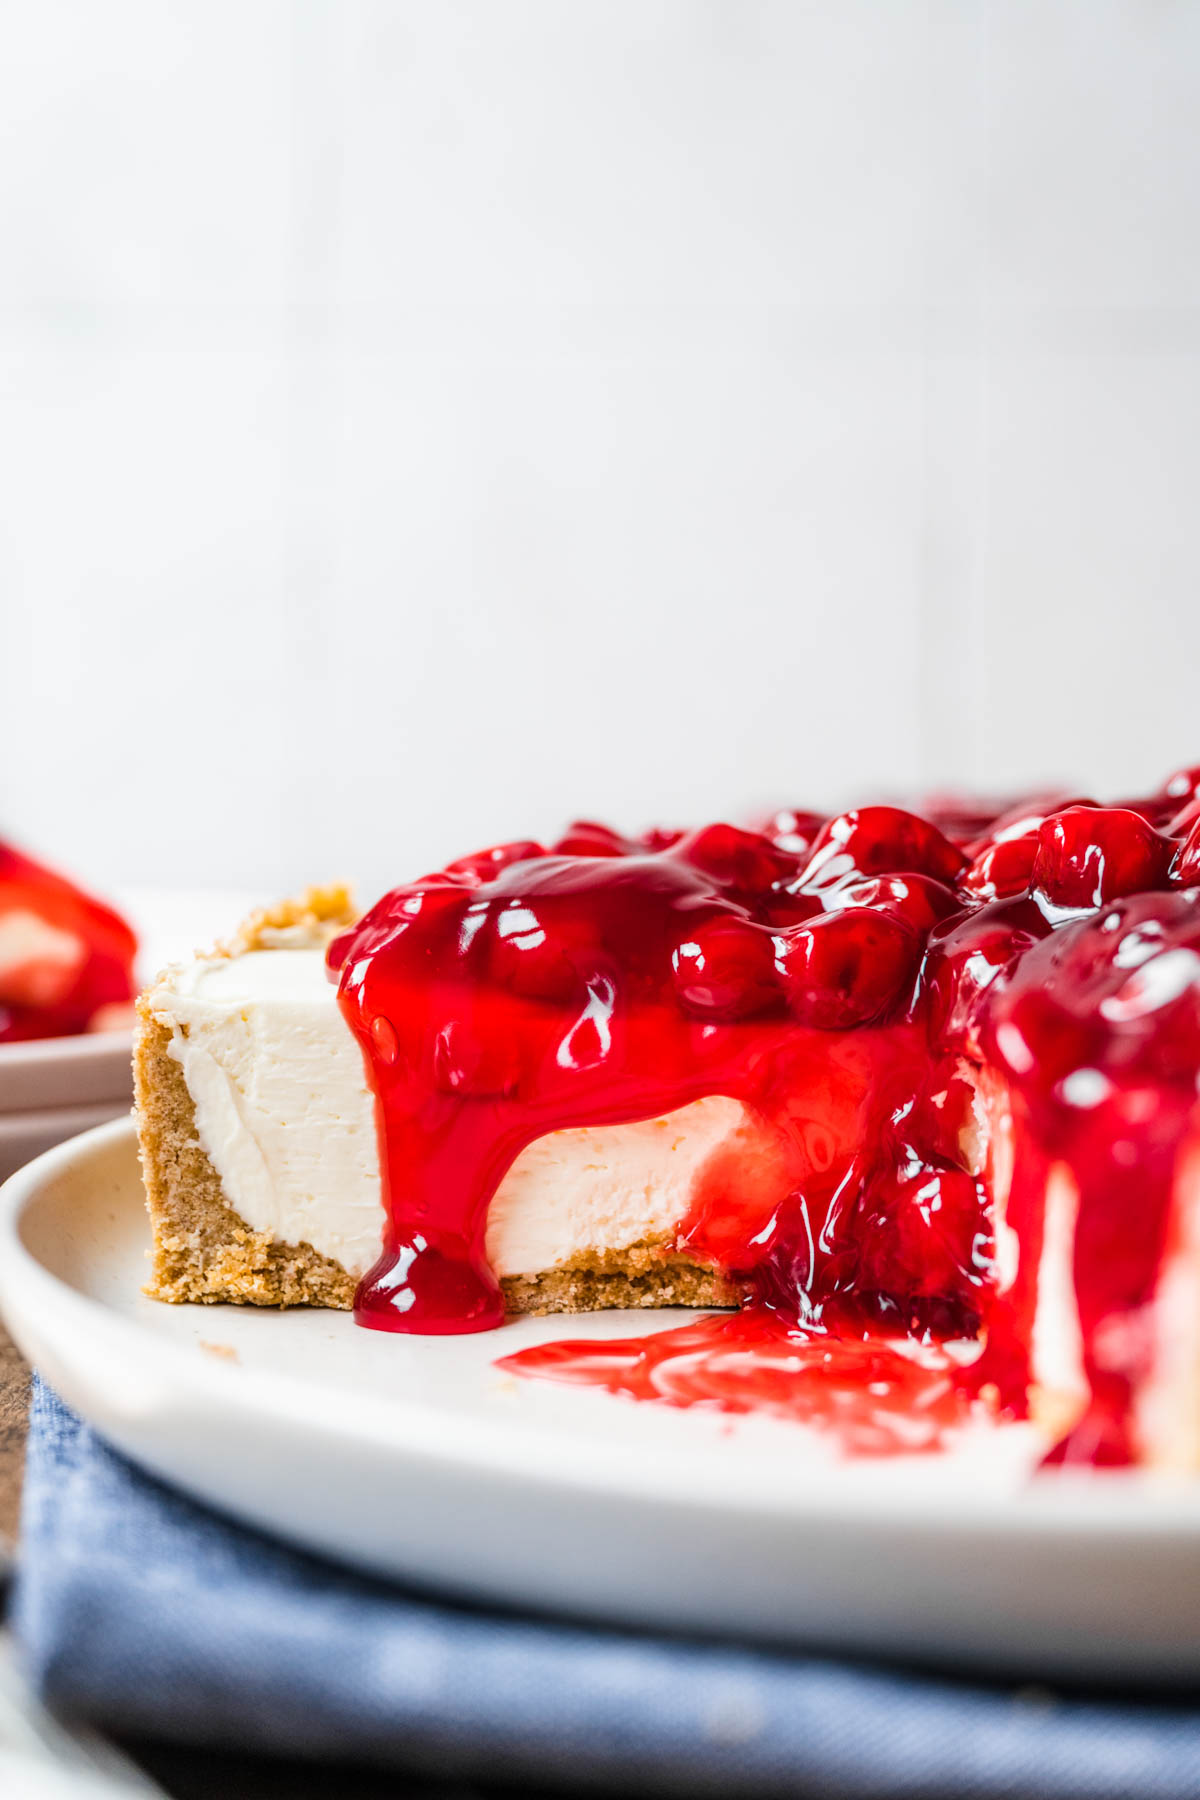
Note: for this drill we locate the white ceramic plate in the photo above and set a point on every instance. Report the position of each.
(417, 1458)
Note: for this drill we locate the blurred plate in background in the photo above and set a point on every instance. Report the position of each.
(24, 1135)
(56, 1072)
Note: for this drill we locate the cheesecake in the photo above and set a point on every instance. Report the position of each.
(66, 959)
(921, 1081)
(260, 1150)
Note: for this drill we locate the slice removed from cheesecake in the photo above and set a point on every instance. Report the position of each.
(259, 1149)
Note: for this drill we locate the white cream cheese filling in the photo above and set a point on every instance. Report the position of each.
(285, 1115)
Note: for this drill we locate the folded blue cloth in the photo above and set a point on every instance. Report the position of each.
(146, 1613)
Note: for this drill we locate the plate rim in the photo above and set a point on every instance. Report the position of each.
(1127, 1506)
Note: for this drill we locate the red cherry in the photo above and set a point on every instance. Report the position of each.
(1185, 870)
(924, 1233)
(785, 907)
(438, 889)
(1157, 810)
(660, 837)
(1181, 787)
(484, 864)
(1023, 817)
(1087, 856)
(529, 953)
(793, 830)
(961, 817)
(971, 954)
(1160, 809)
(725, 969)
(586, 838)
(742, 860)
(395, 913)
(880, 840)
(1002, 870)
(1181, 822)
(943, 1119)
(1002, 862)
(847, 968)
(917, 899)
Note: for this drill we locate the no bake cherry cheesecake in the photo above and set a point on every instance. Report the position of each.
(916, 1094)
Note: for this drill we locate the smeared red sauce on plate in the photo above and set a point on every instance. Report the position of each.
(874, 1398)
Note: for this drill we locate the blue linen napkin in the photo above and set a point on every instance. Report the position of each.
(145, 1613)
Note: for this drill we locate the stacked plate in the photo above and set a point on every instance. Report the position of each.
(51, 1088)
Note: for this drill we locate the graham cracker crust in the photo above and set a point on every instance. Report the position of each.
(644, 1275)
(204, 1252)
(202, 1249)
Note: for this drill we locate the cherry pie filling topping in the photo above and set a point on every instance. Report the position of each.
(866, 986)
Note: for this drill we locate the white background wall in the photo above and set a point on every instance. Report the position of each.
(421, 421)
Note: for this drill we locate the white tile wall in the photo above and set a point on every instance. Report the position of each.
(422, 420)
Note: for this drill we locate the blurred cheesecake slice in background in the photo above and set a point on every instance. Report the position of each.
(66, 1009)
(66, 959)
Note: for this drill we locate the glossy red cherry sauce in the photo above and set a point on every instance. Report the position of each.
(844, 979)
(875, 1400)
(65, 959)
